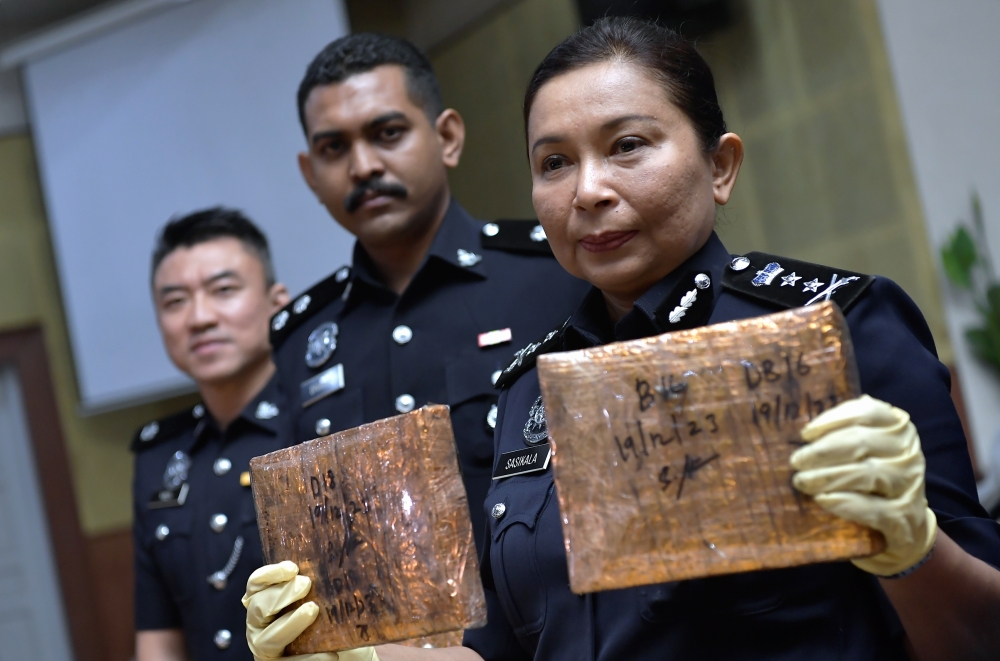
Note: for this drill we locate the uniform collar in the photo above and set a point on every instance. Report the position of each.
(263, 412)
(458, 242)
(456, 246)
(591, 325)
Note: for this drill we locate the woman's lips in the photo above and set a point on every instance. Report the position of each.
(606, 241)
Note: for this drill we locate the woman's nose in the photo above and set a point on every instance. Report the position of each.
(592, 190)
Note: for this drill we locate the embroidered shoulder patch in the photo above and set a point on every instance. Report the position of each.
(790, 283)
(305, 305)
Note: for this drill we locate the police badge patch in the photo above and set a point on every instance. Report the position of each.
(175, 486)
(535, 431)
(321, 344)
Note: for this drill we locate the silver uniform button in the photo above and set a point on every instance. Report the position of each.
(218, 522)
(342, 274)
(162, 531)
(402, 334)
(739, 263)
(302, 304)
(150, 431)
(221, 466)
(702, 281)
(491, 229)
(405, 403)
(322, 427)
(498, 511)
(223, 638)
(491, 417)
(280, 320)
(495, 376)
(198, 412)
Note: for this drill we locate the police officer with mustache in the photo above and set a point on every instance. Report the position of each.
(435, 302)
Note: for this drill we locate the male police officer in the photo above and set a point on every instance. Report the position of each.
(434, 299)
(195, 533)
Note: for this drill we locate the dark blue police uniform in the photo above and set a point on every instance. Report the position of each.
(825, 611)
(195, 527)
(351, 351)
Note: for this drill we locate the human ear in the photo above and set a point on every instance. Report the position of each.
(726, 160)
(450, 128)
(278, 296)
(306, 168)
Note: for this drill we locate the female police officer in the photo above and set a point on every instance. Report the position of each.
(629, 157)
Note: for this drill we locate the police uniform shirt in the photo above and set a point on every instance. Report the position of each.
(351, 351)
(824, 611)
(195, 528)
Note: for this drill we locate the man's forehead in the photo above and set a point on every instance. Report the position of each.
(359, 99)
(204, 260)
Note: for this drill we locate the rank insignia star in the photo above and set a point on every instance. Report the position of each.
(813, 285)
(790, 279)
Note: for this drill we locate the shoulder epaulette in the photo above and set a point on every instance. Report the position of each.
(165, 429)
(515, 236)
(526, 358)
(791, 283)
(317, 297)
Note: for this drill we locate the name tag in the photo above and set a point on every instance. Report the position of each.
(519, 462)
(169, 498)
(325, 383)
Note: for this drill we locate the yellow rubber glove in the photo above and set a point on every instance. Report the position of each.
(272, 588)
(864, 464)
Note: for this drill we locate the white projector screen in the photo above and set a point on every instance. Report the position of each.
(190, 108)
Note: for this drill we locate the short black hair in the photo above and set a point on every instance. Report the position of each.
(362, 52)
(207, 225)
(664, 53)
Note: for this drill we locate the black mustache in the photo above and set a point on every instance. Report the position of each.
(378, 186)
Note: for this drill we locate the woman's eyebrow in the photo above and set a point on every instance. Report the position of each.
(625, 119)
(609, 125)
(549, 139)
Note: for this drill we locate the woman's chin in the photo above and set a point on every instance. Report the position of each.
(614, 273)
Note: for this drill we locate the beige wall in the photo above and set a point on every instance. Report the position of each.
(827, 175)
(483, 75)
(29, 295)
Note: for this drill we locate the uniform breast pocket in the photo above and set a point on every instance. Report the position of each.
(169, 537)
(514, 508)
(337, 412)
(738, 595)
(471, 396)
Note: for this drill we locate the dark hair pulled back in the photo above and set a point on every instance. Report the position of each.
(669, 57)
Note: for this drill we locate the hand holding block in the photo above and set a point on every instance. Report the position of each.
(670, 453)
(377, 517)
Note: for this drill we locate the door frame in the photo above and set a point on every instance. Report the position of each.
(24, 349)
